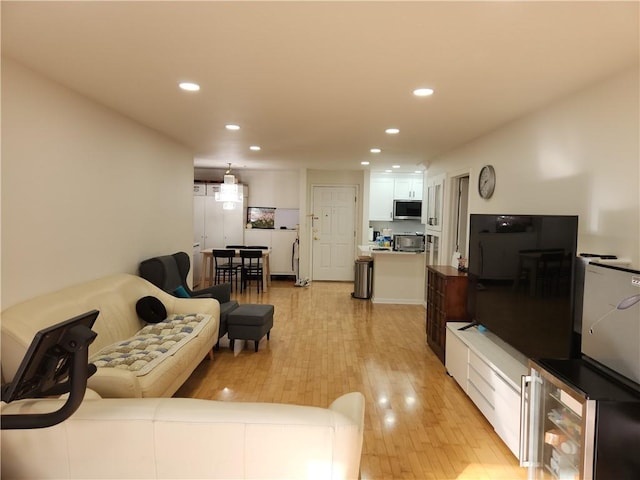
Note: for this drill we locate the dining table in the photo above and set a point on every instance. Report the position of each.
(207, 274)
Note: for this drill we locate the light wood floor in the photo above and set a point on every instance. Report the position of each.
(418, 422)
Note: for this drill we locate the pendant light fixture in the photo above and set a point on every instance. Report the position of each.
(229, 192)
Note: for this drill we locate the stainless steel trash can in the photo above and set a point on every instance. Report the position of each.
(363, 279)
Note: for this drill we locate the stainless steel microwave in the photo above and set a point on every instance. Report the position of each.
(407, 209)
(408, 243)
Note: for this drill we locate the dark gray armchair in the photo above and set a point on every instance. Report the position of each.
(169, 272)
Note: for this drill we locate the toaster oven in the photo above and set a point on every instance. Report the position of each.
(408, 243)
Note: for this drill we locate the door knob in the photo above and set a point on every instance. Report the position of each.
(316, 238)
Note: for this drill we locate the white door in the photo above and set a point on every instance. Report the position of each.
(198, 236)
(233, 225)
(213, 224)
(198, 220)
(333, 233)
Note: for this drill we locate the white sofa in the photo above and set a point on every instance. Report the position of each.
(178, 438)
(115, 297)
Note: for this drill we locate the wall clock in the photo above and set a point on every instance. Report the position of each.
(486, 181)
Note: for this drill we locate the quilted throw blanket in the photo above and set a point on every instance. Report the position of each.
(151, 345)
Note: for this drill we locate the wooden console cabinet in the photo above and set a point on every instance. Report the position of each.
(446, 301)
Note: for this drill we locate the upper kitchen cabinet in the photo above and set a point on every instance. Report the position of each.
(213, 225)
(432, 212)
(408, 187)
(381, 193)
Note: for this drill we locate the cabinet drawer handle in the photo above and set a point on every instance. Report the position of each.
(523, 447)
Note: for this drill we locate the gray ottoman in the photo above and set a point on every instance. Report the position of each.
(250, 322)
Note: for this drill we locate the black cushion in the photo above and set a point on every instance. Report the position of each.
(151, 310)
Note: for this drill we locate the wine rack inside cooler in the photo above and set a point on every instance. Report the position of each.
(563, 434)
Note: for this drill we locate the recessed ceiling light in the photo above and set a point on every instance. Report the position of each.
(418, 171)
(423, 92)
(395, 166)
(387, 171)
(364, 163)
(232, 127)
(189, 86)
(392, 131)
(255, 148)
(375, 150)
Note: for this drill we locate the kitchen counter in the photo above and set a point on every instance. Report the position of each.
(398, 277)
(365, 250)
(370, 250)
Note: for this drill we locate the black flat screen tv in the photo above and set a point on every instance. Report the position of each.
(521, 281)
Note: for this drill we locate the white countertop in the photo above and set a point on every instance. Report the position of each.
(370, 250)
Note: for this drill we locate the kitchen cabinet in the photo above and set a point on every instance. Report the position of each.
(213, 226)
(398, 277)
(408, 187)
(281, 259)
(257, 236)
(381, 193)
(432, 212)
(281, 244)
(432, 246)
(446, 301)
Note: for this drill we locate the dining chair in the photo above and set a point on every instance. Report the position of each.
(257, 247)
(237, 261)
(551, 267)
(225, 269)
(251, 268)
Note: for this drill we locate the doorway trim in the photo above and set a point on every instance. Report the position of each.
(450, 240)
(357, 219)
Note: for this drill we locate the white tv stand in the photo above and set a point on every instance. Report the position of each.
(489, 372)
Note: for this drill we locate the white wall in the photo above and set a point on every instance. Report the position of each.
(579, 156)
(85, 191)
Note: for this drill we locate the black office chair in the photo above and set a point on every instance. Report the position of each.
(225, 268)
(251, 268)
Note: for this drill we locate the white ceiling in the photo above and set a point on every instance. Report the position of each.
(315, 84)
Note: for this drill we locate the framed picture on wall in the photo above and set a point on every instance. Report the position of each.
(261, 217)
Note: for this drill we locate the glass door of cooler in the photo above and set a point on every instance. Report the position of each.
(561, 426)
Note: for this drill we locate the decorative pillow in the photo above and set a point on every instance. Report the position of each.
(181, 292)
(151, 310)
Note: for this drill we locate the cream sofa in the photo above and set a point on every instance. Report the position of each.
(115, 297)
(179, 438)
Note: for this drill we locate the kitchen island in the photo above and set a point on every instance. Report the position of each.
(398, 277)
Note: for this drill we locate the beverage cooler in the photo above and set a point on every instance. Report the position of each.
(579, 422)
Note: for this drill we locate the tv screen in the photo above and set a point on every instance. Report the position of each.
(521, 287)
